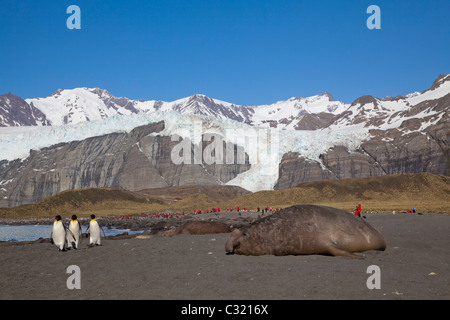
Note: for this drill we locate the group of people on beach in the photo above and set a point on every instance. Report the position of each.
(357, 210)
(202, 211)
(267, 209)
(69, 237)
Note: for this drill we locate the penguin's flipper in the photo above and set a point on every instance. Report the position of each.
(79, 226)
(80, 232)
(71, 233)
(102, 230)
(70, 239)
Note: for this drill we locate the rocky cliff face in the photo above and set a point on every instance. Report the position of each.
(337, 163)
(134, 161)
(405, 149)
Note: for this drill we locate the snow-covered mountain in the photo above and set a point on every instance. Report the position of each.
(288, 114)
(14, 111)
(77, 105)
(389, 113)
(309, 138)
(80, 105)
(73, 106)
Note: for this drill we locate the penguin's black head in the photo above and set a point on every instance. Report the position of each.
(74, 217)
(58, 217)
(92, 216)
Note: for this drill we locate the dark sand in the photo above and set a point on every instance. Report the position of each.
(415, 265)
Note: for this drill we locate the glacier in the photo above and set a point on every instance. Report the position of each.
(265, 146)
(95, 112)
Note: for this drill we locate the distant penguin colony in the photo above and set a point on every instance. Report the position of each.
(66, 238)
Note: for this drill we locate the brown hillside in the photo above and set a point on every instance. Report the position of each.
(427, 192)
(109, 201)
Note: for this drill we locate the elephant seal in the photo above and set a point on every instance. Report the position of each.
(306, 229)
(199, 227)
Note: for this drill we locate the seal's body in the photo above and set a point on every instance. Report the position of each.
(306, 229)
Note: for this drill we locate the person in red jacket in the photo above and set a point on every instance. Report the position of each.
(358, 211)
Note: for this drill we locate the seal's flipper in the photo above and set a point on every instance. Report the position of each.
(335, 251)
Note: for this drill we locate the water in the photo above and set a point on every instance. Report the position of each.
(34, 232)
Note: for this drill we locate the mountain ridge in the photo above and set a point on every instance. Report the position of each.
(306, 139)
(86, 104)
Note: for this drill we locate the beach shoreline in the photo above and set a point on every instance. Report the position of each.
(414, 265)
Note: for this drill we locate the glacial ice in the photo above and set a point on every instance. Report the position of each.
(16, 142)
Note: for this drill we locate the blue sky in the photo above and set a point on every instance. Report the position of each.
(246, 52)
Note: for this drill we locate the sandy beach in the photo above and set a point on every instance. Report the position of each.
(415, 265)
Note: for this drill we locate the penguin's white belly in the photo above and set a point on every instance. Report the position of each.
(74, 227)
(59, 234)
(94, 233)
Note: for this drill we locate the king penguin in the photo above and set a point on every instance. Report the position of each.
(94, 232)
(59, 234)
(74, 235)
